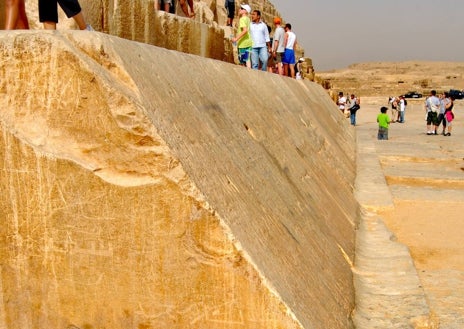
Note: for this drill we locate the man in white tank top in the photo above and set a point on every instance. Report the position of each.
(289, 54)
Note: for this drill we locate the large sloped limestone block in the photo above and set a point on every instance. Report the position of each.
(146, 188)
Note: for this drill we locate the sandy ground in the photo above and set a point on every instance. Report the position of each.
(425, 176)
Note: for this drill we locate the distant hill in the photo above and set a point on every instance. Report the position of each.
(394, 78)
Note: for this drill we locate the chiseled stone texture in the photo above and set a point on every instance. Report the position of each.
(147, 188)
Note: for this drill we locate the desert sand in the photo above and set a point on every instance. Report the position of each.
(425, 181)
(395, 78)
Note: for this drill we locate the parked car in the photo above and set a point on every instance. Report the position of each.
(456, 94)
(412, 94)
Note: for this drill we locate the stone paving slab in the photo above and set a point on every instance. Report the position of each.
(410, 166)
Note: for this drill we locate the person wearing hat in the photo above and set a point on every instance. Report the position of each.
(299, 69)
(243, 38)
(278, 47)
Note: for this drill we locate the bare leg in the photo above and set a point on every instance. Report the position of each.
(292, 70)
(49, 25)
(192, 12)
(280, 68)
(157, 5)
(15, 15)
(80, 21)
(285, 70)
(22, 23)
(185, 7)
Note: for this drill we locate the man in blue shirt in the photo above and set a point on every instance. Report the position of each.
(261, 41)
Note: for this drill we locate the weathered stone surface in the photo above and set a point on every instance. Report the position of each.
(146, 188)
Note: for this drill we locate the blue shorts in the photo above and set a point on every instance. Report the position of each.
(289, 57)
(244, 55)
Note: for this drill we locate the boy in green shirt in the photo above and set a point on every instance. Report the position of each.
(243, 38)
(384, 120)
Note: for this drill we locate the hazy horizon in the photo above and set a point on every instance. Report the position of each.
(336, 34)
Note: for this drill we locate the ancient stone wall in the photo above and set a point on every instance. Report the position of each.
(138, 192)
(206, 35)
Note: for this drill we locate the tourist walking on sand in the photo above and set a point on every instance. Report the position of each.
(341, 102)
(289, 54)
(449, 116)
(15, 15)
(432, 108)
(354, 107)
(243, 38)
(402, 109)
(394, 109)
(441, 113)
(278, 47)
(261, 42)
(383, 121)
(48, 13)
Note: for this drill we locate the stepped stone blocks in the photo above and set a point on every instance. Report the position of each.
(206, 35)
(147, 188)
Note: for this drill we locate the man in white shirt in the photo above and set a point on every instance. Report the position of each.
(402, 109)
(261, 42)
(289, 54)
(433, 106)
(341, 102)
(278, 48)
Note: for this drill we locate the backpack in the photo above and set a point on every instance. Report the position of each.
(405, 102)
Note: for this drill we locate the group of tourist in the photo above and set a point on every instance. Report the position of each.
(438, 111)
(16, 18)
(256, 49)
(168, 6)
(438, 108)
(349, 106)
(398, 108)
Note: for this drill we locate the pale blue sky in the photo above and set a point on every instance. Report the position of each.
(338, 33)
